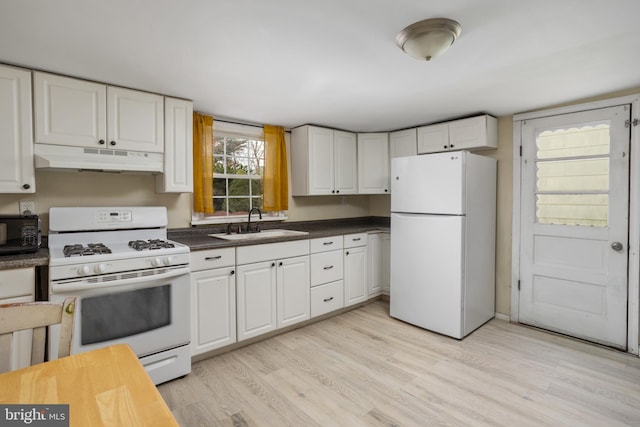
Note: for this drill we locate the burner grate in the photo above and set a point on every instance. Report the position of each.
(81, 250)
(142, 245)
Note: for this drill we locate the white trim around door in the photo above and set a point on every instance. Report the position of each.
(633, 318)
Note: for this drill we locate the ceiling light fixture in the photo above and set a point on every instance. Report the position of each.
(429, 38)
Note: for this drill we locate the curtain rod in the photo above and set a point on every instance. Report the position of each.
(243, 124)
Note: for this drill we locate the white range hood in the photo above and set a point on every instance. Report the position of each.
(60, 157)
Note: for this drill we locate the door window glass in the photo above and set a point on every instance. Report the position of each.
(572, 175)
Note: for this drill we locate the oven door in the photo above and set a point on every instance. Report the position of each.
(151, 314)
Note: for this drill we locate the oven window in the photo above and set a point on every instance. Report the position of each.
(118, 315)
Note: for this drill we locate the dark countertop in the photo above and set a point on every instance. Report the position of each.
(197, 237)
(41, 257)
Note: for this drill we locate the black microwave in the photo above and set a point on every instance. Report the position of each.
(19, 234)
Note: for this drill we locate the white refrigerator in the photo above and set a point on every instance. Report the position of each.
(443, 218)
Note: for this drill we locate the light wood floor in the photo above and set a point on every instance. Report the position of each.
(363, 368)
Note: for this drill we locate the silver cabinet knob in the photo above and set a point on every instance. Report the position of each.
(616, 246)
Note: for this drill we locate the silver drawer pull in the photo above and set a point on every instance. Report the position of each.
(357, 240)
(327, 299)
(213, 258)
(328, 243)
(329, 267)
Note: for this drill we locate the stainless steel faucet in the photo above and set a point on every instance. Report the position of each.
(249, 220)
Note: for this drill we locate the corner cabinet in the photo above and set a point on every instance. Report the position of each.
(213, 299)
(323, 161)
(178, 148)
(16, 140)
(379, 257)
(373, 163)
(81, 113)
(473, 133)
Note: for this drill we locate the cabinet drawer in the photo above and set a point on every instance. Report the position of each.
(323, 244)
(326, 267)
(213, 258)
(354, 240)
(17, 282)
(326, 298)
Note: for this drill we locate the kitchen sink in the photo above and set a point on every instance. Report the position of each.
(263, 234)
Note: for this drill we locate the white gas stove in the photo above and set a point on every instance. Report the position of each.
(132, 284)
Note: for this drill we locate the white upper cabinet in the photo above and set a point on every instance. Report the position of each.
(178, 148)
(80, 113)
(16, 141)
(403, 143)
(373, 163)
(479, 132)
(135, 120)
(69, 111)
(323, 161)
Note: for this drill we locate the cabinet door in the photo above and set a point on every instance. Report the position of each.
(386, 263)
(69, 111)
(355, 275)
(474, 132)
(16, 286)
(135, 120)
(346, 163)
(433, 138)
(403, 143)
(16, 142)
(256, 299)
(293, 301)
(321, 165)
(375, 264)
(213, 309)
(373, 163)
(178, 148)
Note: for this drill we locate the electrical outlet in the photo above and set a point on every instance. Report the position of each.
(28, 208)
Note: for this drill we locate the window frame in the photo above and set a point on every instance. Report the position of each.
(246, 131)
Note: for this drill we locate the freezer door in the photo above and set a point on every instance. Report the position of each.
(427, 272)
(431, 183)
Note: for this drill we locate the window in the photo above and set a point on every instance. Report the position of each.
(572, 182)
(237, 173)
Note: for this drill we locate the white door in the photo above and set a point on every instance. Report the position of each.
(355, 275)
(403, 143)
(373, 163)
(345, 162)
(574, 224)
(321, 166)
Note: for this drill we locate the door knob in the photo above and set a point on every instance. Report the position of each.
(616, 246)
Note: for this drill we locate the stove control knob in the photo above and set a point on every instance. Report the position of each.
(156, 262)
(100, 268)
(168, 260)
(83, 270)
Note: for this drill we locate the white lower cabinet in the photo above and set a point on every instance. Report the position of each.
(273, 287)
(213, 299)
(16, 286)
(327, 298)
(379, 274)
(355, 268)
(327, 271)
(292, 289)
(256, 299)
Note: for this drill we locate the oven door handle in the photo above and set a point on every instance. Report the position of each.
(84, 285)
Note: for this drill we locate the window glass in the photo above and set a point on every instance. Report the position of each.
(572, 175)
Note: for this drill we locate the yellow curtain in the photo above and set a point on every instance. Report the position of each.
(275, 181)
(202, 163)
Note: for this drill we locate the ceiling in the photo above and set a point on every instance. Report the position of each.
(333, 62)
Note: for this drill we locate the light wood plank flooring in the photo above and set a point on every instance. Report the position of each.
(363, 368)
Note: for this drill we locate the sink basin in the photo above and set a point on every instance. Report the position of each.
(264, 234)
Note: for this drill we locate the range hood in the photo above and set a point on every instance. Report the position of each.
(59, 157)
